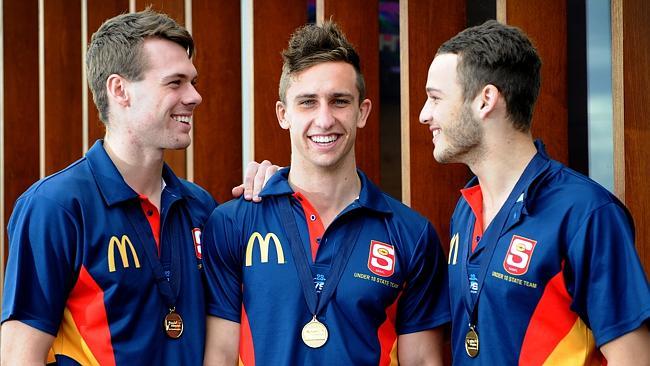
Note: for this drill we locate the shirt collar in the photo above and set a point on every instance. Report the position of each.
(537, 167)
(370, 197)
(112, 185)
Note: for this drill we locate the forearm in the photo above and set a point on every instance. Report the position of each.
(421, 348)
(632, 348)
(23, 345)
(221, 343)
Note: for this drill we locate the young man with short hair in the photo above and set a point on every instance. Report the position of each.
(104, 256)
(327, 269)
(542, 263)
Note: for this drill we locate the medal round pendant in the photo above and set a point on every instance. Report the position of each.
(471, 343)
(173, 325)
(314, 334)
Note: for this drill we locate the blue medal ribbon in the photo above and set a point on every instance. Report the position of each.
(314, 302)
(492, 235)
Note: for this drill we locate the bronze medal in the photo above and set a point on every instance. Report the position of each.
(471, 342)
(173, 325)
(314, 333)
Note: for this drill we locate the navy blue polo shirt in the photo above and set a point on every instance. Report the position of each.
(81, 266)
(393, 283)
(563, 279)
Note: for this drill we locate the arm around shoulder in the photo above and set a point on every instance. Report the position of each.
(23, 344)
(221, 342)
(632, 348)
(421, 348)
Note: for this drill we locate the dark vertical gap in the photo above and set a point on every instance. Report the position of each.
(389, 95)
(311, 11)
(577, 86)
(478, 11)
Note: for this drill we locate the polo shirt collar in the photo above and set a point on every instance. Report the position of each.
(370, 197)
(112, 185)
(525, 200)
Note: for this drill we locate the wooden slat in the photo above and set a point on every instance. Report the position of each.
(550, 119)
(63, 126)
(359, 20)
(430, 188)
(98, 12)
(272, 27)
(631, 82)
(217, 121)
(20, 123)
(176, 10)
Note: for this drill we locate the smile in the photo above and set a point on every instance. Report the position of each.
(182, 119)
(324, 139)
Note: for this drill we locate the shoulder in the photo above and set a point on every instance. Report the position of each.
(410, 224)
(572, 191)
(200, 202)
(62, 188)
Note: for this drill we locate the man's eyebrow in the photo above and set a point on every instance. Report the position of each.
(178, 75)
(306, 96)
(339, 95)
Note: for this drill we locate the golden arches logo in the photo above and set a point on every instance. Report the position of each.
(453, 249)
(264, 248)
(121, 247)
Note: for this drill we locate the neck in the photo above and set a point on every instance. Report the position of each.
(499, 170)
(330, 192)
(141, 171)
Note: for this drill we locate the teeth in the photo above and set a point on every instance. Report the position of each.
(183, 119)
(436, 133)
(324, 139)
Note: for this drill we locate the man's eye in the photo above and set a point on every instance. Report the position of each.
(341, 102)
(174, 83)
(307, 102)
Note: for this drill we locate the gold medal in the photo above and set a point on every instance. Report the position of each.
(314, 333)
(173, 324)
(471, 342)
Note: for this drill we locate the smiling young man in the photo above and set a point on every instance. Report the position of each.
(104, 257)
(327, 269)
(542, 263)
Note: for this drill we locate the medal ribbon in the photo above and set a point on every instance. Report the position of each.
(315, 303)
(492, 235)
(169, 289)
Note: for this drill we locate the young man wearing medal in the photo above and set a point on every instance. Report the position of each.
(327, 269)
(542, 263)
(104, 264)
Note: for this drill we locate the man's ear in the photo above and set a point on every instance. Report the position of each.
(281, 113)
(364, 111)
(116, 89)
(487, 100)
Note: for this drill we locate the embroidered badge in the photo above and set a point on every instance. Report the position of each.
(381, 260)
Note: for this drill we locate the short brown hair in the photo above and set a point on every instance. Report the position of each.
(116, 48)
(501, 55)
(313, 44)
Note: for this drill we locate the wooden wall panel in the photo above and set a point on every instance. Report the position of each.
(217, 122)
(631, 82)
(20, 122)
(62, 42)
(430, 188)
(97, 12)
(550, 119)
(176, 159)
(272, 27)
(359, 20)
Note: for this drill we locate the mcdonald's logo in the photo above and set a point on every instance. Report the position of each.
(453, 249)
(264, 248)
(121, 247)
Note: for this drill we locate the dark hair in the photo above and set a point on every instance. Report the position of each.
(313, 44)
(501, 55)
(116, 48)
